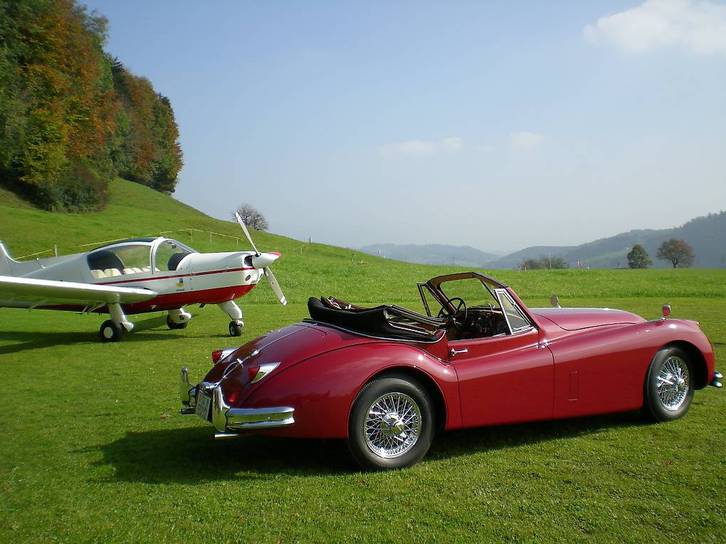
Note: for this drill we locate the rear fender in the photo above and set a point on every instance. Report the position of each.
(323, 388)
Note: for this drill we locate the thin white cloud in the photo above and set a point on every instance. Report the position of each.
(423, 148)
(525, 140)
(698, 26)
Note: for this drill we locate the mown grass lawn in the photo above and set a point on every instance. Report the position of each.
(93, 450)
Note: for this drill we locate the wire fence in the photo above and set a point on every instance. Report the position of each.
(201, 235)
(195, 236)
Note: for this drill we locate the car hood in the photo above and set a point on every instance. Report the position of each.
(573, 319)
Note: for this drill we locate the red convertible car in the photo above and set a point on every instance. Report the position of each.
(386, 379)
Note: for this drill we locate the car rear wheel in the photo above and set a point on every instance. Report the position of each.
(391, 424)
(669, 385)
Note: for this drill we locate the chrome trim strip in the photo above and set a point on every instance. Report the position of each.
(227, 419)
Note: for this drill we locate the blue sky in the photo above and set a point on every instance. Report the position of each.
(494, 124)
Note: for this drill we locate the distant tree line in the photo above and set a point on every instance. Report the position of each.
(678, 252)
(72, 117)
(544, 263)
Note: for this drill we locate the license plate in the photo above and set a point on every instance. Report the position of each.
(203, 404)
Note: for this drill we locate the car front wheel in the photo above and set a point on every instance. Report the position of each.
(669, 385)
(391, 424)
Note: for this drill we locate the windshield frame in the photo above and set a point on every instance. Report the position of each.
(490, 284)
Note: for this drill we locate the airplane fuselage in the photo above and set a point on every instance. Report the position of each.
(135, 276)
(200, 278)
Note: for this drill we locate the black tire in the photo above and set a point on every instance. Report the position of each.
(110, 332)
(414, 397)
(673, 372)
(174, 325)
(235, 329)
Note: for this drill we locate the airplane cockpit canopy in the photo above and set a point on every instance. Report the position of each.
(137, 256)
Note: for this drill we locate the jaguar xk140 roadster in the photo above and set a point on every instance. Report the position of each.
(386, 378)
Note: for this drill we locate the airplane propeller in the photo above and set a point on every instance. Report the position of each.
(263, 260)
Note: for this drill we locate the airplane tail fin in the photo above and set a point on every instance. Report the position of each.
(6, 261)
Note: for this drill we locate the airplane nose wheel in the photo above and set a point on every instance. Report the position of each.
(236, 328)
(110, 332)
(174, 325)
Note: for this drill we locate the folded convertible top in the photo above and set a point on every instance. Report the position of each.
(387, 321)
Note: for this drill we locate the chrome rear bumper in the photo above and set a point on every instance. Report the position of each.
(231, 420)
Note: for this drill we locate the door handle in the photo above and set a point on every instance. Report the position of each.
(453, 352)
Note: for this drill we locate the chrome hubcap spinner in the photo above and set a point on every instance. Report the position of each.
(673, 383)
(392, 425)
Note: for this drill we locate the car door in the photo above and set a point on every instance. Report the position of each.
(504, 379)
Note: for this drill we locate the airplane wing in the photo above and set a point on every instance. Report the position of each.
(48, 292)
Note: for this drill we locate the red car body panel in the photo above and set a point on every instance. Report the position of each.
(572, 362)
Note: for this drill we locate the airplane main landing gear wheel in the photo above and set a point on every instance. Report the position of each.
(235, 328)
(110, 332)
(174, 325)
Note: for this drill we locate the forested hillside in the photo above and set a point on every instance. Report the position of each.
(71, 116)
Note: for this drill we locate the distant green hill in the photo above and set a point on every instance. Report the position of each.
(431, 254)
(136, 210)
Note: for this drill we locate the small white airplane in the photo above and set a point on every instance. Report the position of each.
(135, 276)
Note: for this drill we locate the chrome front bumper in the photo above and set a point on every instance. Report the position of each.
(226, 419)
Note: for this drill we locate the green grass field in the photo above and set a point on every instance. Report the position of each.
(93, 448)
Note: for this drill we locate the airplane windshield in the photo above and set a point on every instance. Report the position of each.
(169, 254)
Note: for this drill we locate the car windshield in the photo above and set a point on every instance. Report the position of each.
(473, 306)
(471, 290)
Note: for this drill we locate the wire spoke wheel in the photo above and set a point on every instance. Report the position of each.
(392, 425)
(669, 385)
(673, 383)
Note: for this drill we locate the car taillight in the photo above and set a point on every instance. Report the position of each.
(256, 372)
(219, 354)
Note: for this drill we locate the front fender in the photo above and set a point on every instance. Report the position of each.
(322, 388)
(679, 331)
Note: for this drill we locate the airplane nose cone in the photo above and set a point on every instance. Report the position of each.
(263, 260)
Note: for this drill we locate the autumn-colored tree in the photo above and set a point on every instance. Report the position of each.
(63, 124)
(678, 252)
(638, 257)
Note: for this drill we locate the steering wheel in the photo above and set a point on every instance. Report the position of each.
(460, 306)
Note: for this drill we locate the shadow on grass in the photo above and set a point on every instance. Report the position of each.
(191, 455)
(468, 441)
(26, 340)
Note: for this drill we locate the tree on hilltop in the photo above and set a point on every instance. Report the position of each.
(251, 217)
(678, 252)
(638, 257)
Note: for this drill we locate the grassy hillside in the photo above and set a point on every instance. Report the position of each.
(94, 449)
(312, 269)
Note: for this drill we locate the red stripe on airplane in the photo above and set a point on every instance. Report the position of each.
(154, 278)
(170, 301)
